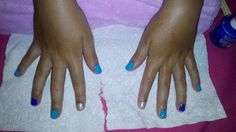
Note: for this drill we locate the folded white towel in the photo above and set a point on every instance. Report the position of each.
(114, 45)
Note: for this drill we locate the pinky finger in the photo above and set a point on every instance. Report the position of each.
(193, 72)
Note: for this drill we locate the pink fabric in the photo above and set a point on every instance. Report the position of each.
(16, 15)
(222, 65)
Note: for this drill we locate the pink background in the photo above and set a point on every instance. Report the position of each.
(222, 64)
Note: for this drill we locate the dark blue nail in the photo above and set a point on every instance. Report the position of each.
(182, 107)
(54, 114)
(34, 102)
(199, 88)
(129, 66)
(17, 73)
(163, 113)
(98, 69)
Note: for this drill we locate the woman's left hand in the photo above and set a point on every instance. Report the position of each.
(167, 46)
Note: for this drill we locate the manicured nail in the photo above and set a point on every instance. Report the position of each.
(98, 69)
(17, 73)
(129, 66)
(80, 107)
(182, 107)
(142, 105)
(34, 102)
(163, 113)
(54, 113)
(199, 88)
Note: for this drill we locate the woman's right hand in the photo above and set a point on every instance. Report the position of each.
(62, 37)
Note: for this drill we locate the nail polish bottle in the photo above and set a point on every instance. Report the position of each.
(224, 35)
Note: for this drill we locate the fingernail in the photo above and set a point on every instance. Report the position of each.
(199, 88)
(163, 113)
(34, 102)
(182, 107)
(80, 107)
(17, 73)
(142, 105)
(54, 114)
(129, 66)
(98, 69)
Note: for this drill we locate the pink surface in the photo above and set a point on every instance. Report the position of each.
(16, 15)
(222, 64)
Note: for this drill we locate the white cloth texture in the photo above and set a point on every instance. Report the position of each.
(115, 45)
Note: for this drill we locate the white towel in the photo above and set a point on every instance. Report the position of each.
(115, 45)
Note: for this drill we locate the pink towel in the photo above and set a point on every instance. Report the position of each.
(16, 15)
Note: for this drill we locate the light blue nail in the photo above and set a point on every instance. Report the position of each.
(54, 114)
(98, 69)
(163, 113)
(199, 88)
(129, 66)
(17, 73)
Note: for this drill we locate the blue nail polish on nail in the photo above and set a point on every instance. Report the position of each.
(34, 102)
(163, 113)
(129, 66)
(199, 88)
(54, 114)
(182, 107)
(17, 73)
(98, 69)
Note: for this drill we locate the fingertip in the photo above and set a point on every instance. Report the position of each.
(182, 107)
(80, 106)
(199, 88)
(142, 105)
(98, 69)
(54, 113)
(17, 73)
(163, 113)
(130, 66)
(34, 101)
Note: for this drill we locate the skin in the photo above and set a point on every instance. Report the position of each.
(167, 46)
(63, 38)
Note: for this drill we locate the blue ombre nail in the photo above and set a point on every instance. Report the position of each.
(54, 114)
(182, 107)
(199, 88)
(34, 102)
(163, 113)
(98, 69)
(17, 73)
(129, 66)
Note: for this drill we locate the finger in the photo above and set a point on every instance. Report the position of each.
(180, 86)
(139, 55)
(41, 75)
(147, 81)
(90, 56)
(163, 91)
(78, 81)
(193, 72)
(57, 88)
(32, 53)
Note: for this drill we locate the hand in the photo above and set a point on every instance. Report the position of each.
(167, 47)
(62, 38)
